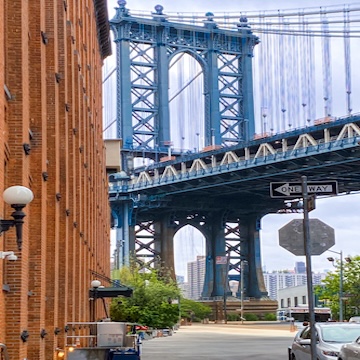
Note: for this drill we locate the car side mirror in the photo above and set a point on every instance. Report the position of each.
(305, 342)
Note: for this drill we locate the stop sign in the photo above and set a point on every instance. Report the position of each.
(291, 237)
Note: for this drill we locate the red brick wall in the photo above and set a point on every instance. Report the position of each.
(56, 108)
(2, 157)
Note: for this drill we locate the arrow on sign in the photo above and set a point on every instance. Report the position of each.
(287, 190)
(290, 189)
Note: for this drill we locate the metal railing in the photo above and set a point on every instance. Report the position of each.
(90, 335)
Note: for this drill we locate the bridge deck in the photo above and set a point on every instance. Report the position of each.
(238, 178)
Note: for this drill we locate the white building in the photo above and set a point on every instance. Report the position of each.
(196, 277)
(278, 280)
(292, 296)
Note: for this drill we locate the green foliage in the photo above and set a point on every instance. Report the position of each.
(270, 317)
(233, 317)
(193, 310)
(151, 301)
(329, 293)
(251, 317)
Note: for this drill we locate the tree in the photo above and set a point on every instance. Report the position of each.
(151, 303)
(329, 293)
(194, 310)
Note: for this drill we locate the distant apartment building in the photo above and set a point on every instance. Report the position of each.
(196, 277)
(183, 286)
(277, 280)
(274, 281)
(300, 267)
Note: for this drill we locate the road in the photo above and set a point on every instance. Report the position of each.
(222, 342)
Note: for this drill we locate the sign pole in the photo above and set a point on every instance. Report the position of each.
(307, 248)
(242, 264)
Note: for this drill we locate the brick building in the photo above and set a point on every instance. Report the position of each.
(51, 55)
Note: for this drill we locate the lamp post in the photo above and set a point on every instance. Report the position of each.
(341, 280)
(242, 266)
(95, 284)
(17, 197)
(331, 259)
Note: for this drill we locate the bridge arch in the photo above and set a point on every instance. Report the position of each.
(192, 53)
(190, 254)
(187, 101)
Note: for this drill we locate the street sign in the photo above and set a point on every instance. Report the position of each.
(311, 204)
(293, 189)
(291, 237)
(221, 260)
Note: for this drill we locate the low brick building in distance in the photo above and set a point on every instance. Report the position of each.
(51, 55)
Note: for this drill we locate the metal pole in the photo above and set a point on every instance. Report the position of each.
(341, 283)
(242, 291)
(225, 307)
(307, 248)
(226, 286)
(341, 314)
(94, 309)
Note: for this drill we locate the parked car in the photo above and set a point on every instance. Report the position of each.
(355, 319)
(350, 351)
(330, 338)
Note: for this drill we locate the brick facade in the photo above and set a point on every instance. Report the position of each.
(50, 68)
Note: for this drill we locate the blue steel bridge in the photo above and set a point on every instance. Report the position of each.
(230, 148)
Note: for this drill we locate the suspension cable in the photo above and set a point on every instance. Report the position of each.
(326, 66)
(347, 59)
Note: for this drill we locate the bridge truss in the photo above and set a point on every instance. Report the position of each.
(222, 190)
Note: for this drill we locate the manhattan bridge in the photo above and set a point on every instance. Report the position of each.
(204, 111)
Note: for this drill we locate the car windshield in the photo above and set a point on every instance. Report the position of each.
(340, 334)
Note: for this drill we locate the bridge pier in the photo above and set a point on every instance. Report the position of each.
(254, 285)
(215, 283)
(216, 272)
(164, 245)
(125, 244)
(156, 241)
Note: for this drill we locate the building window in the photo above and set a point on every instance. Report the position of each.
(296, 301)
(304, 299)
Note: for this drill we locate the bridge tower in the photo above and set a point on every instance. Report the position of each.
(144, 50)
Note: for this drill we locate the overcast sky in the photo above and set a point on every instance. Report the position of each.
(221, 6)
(341, 213)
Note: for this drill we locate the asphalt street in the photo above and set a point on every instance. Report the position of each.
(262, 341)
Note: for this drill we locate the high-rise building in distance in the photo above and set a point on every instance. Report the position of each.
(196, 277)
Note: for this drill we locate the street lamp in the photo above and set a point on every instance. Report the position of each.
(18, 197)
(242, 266)
(95, 284)
(8, 255)
(332, 260)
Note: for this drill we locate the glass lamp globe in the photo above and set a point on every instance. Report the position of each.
(159, 9)
(18, 195)
(95, 284)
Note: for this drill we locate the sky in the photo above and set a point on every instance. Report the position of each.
(222, 6)
(340, 212)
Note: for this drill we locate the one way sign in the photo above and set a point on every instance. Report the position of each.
(294, 189)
